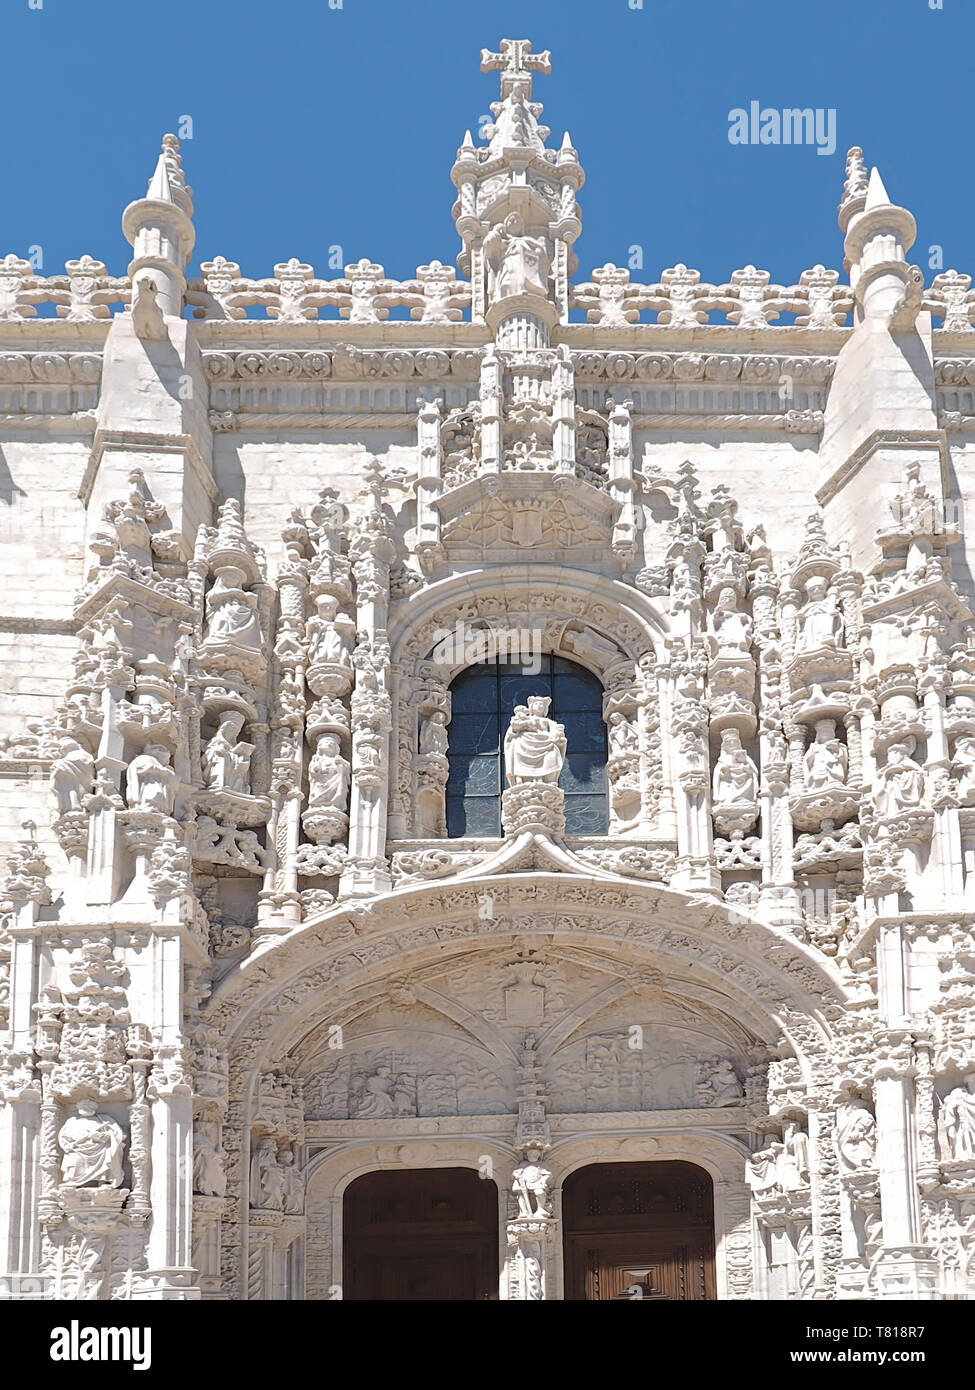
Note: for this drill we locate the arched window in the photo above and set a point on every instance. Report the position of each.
(482, 699)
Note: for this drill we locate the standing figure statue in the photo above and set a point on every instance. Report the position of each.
(433, 733)
(958, 1115)
(518, 264)
(534, 746)
(901, 780)
(735, 779)
(855, 1134)
(820, 623)
(150, 783)
(530, 1184)
(209, 1178)
(226, 763)
(329, 775)
(826, 761)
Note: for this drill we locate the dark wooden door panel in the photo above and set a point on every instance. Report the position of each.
(640, 1231)
(421, 1234)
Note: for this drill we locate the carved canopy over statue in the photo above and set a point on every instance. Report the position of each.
(534, 746)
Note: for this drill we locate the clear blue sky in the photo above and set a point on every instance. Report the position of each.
(315, 126)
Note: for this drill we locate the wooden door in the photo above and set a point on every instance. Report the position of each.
(421, 1234)
(640, 1231)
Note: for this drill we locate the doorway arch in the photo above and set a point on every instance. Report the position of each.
(419, 1234)
(639, 1231)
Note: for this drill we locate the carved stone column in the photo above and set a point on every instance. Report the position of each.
(371, 551)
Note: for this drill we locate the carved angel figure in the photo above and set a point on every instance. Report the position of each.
(534, 745)
(92, 1145)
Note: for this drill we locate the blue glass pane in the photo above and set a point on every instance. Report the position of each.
(578, 692)
(475, 690)
(473, 815)
(585, 731)
(539, 663)
(474, 776)
(515, 690)
(584, 772)
(586, 815)
(474, 733)
(561, 667)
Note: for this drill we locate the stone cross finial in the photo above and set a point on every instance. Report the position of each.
(517, 63)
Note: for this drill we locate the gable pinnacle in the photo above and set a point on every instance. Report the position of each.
(517, 63)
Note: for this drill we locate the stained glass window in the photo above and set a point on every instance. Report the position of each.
(482, 699)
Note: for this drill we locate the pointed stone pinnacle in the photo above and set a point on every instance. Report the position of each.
(876, 192)
(159, 186)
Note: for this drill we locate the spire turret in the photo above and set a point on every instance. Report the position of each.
(878, 238)
(159, 228)
(517, 213)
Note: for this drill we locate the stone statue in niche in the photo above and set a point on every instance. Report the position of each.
(958, 1116)
(72, 775)
(731, 630)
(901, 780)
(226, 763)
(623, 735)
(92, 1146)
(209, 1178)
(826, 761)
(530, 1184)
(150, 783)
(963, 766)
(534, 745)
(820, 623)
(329, 775)
(433, 733)
(855, 1134)
(762, 1168)
(294, 1183)
(327, 640)
(233, 615)
(794, 1160)
(518, 264)
(735, 781)
(267, 1177)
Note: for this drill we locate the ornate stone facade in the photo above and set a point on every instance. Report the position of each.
(243, 959)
